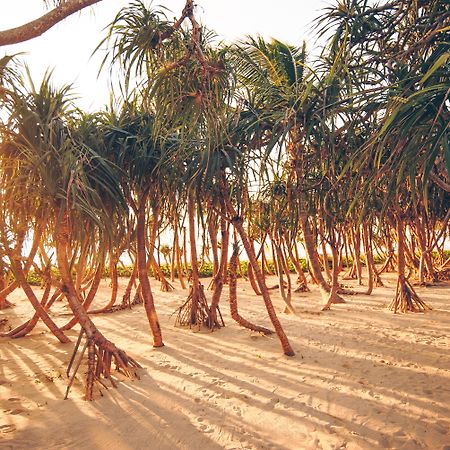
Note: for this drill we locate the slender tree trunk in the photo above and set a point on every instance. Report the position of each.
(143, 275)
(369, 258)
(156, 266)
(178, 256)
(7, 290)
(212, 231)
(285, 295)
(28, 326)
(406, 298)
(195, 277)
(195, 310)
(326, 268)
(312, 253)
(333, 296)
(126, 299)
(303, 284)
(92, 291)
(237, 223)
(233, 300)
(38, 307)
(251, 275)
(357, 248)
(221, 273)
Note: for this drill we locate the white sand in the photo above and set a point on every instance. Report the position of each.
(362, 378)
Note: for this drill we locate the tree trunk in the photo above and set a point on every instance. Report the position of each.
(357, 248)
(324, 249)
(237, 223)
(38, 307)
(6, 290)
(284, 267)
(406, 298)
(233, 300)
(369, 258)
(147, 295)
(92, 291)
(312, 253)
(221, 273)
(301, 279)
(333, 296)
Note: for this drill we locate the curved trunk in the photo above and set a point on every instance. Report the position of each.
(310, 248)
(6, 290)
(237, 223)
(233, 300)
(28, 326)
(92, 291)
(40, 310)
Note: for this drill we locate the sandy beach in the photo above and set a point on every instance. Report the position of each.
(362, 378)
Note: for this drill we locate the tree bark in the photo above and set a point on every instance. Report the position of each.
(39, 26)
(147, 295)
(312, 253)
(233, 300)
(237, 223)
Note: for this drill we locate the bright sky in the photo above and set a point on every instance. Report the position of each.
(67, 47)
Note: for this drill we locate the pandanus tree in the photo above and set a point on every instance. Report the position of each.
(186, 81)
(285, 95)
(130, 137)
(178, 79)
(403, 46)
(63, 186)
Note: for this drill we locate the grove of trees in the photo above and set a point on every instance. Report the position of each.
(245, 154)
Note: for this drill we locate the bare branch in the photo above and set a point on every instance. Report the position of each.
(39, 26)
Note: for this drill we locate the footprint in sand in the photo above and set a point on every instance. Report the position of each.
(15, 412)
(7, 428)
(204, 429)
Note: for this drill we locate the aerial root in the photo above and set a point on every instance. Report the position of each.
(166, 286)
(378, 281)
(406, 299)
(101, 354)
(333, 299)
(251, 326)
(6, 304)
(302, 287)
(195, 310)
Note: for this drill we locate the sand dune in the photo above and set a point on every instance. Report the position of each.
(362, 378)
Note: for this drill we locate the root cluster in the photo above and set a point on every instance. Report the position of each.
(101, 354)
(195, 310)
(406, 299)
